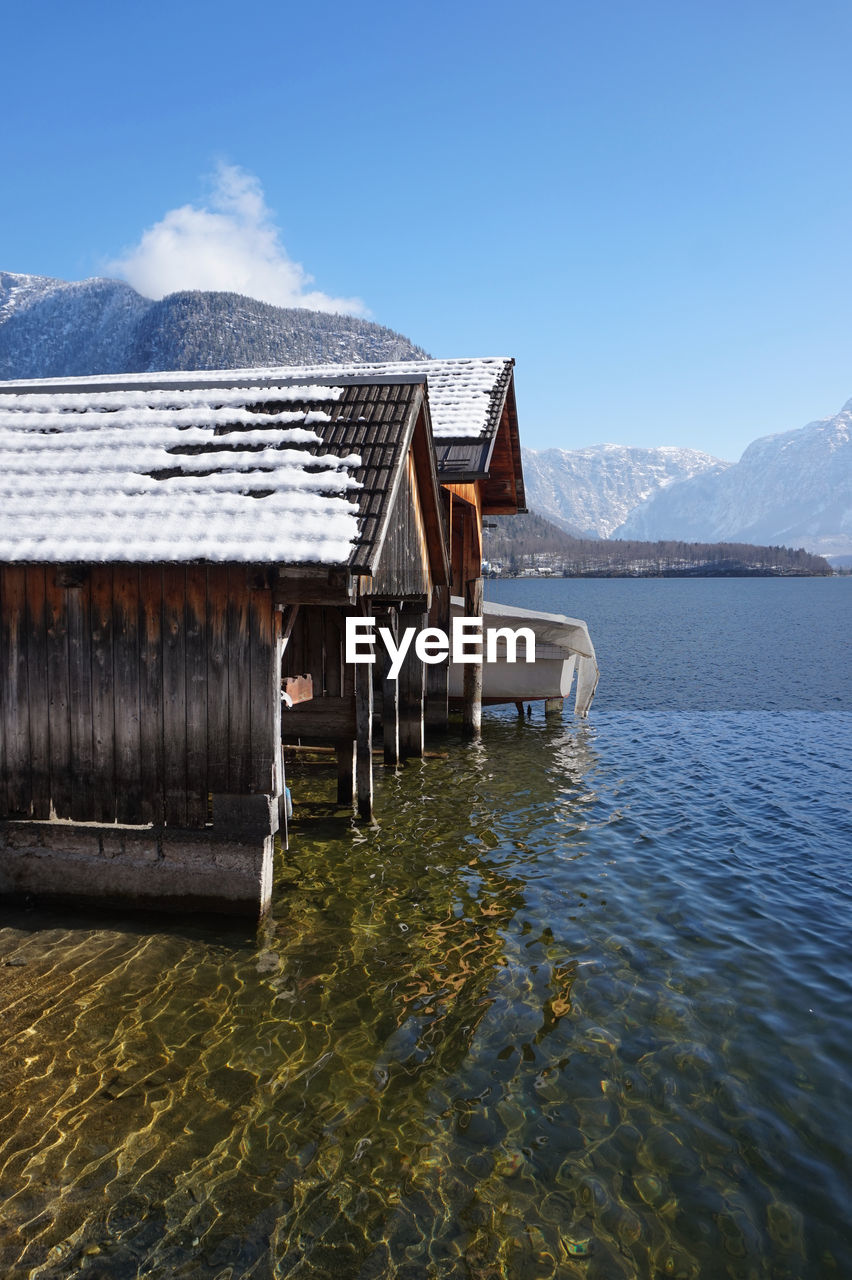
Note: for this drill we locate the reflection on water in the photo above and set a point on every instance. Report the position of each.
(576, 1006)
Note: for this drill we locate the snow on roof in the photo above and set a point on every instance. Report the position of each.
(465, 395)
(173, 475)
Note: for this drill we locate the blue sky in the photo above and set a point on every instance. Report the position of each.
(648, 205)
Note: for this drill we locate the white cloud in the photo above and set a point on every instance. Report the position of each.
(233, 245)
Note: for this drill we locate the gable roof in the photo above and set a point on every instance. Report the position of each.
(211, 467)
(466, 395)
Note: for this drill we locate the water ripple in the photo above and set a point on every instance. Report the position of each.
(594, 1022)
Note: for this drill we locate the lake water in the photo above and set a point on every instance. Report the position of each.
(708, 644)
(577, 1006)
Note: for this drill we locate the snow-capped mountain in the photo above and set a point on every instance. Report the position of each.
(20, 290)
(590, 492)
(792, 489)
(51, 328)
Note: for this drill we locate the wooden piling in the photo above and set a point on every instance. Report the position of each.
(472, 710)
(364, 731)
(345, 752)
(411, 687)
(438, 673)
(390, 692)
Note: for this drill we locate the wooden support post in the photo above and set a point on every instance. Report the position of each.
(315, 645)
(411, 685)
(40, 711)
(364, 731)
(553, 706)
(472, 711)
(333, 653)
(345, 752)
(390, 691)
(15, 730)
(438, 673)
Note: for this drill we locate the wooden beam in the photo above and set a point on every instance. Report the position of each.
(152, 768)
(438, 673)
(38, 696)
(59, 696)
(278, 782)
(320, 720)
(472, 709)
(239, 682)
(314, 660)
(126, 687)
(411, 686)
(364, 731)
(265, 700)
(103, 696)
(13, 692)
(297, 585)
(292, 613)
(174, 691)
(471, 575)
(345, 752)
(389, 688)
(197, 643)
(333, 653)
(424, 457)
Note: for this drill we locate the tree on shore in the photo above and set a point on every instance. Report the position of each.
(531, 542)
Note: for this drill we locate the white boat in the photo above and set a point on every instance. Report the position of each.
(563, 650)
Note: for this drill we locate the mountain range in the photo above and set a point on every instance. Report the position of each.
(590, 492)
(792, 489)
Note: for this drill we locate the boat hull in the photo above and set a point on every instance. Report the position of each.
(563, 649)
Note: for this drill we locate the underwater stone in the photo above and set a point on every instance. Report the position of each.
(509, 1163)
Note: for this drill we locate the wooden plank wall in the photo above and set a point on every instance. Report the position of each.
(315, 648)
(403, 569)
(129, 693)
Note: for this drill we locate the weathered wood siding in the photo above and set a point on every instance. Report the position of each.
(131, 693)
(404, 570)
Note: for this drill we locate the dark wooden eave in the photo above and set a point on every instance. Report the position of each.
(493, 458)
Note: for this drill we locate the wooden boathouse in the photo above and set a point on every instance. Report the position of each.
(474, 420)
(479, 462)
(175, 546)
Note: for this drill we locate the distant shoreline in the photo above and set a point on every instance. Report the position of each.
(709, 572)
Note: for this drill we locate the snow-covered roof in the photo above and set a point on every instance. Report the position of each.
(174, 475)
(466, 396)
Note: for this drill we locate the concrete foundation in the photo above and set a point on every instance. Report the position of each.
(150, 868)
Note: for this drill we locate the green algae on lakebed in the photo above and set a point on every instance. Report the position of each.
(547, 1018)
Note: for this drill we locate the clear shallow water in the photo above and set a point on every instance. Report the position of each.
(578, 1006)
